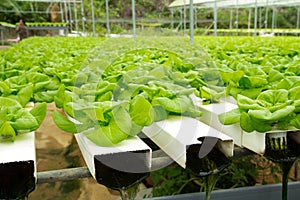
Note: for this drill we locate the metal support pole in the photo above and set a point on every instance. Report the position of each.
(82, 17)
(93, 18)
(133, 19)
(184, 18)
(180, 19)
(66, 12)
(107, 18)
(2, 39)
(215, 18)
(249, 20)
(298, 16)
(70, 14)
(237, 17)
(266, 17)
(296, 170)
(191, 21)
(255, 18)
(230, 19)
(196, 18)
(273, 18)
(172, 18)
(75, 16)
(61, 12)
(260, 18)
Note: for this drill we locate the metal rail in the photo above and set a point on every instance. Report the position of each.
(47, 27)
(63, 175)
(83, 172)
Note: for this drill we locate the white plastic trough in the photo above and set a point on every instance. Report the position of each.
(18, 166)
(177, 133)
(210, 117)
(253, 141)
(256, 141)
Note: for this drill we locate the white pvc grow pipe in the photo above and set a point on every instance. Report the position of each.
(177, 133)
(253, 141)
(19, 154)
(133, 145)
(210, 117)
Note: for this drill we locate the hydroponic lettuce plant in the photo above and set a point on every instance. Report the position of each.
(272, 109)
(15, 119)
(30, 86)
(245, 80)
(137, 89)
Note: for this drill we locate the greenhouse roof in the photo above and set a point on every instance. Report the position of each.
(235, 3)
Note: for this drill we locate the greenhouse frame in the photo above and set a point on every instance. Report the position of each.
(136, 105)
(227, 4)
(69, 9)
(183, 6)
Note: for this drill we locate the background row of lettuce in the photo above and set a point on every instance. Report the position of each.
(78, 72)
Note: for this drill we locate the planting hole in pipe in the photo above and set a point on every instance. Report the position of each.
(121, 170)
(283, 149)
(17, 179)
(205, 158)
(205, 161)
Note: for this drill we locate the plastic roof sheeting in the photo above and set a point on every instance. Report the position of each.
(181, 3)
(235, 3)
(255, 3)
